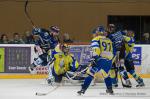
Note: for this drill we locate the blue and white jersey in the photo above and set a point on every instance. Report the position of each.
(45, 40)
(117, 39)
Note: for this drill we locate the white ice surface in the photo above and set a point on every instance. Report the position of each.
(26, 89)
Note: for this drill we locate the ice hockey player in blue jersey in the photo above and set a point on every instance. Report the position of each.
(119, 54)
(45, 42)
(47, 39)
(102, 55)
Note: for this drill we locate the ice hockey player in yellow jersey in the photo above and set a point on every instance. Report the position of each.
(129, 65)
(63, 61)
(102, 56)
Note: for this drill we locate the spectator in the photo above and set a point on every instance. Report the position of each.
(4, 39)
(146, 38)
(66, 38)
(28, 39)
(17, 39)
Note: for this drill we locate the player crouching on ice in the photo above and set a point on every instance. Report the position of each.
(102, 55)
(64, 61)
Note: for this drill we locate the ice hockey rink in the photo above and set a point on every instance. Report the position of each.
(26, 89)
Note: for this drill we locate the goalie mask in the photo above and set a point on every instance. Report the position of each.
(65, 48)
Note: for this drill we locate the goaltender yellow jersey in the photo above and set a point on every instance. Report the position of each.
(102, 46)
(64, 63)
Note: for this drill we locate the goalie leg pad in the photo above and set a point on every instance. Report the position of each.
(58, 78)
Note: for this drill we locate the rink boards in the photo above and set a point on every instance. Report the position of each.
(15, 59)
(42, 76)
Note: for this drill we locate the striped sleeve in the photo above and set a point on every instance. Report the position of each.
(95, 45)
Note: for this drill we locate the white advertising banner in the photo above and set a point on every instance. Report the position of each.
(145, 59)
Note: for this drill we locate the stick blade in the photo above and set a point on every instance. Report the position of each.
(46, 93)
(40, 94)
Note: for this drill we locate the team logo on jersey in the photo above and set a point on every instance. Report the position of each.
(46, 34)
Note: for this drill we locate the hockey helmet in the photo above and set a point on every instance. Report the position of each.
(54, 29)
(99, 30)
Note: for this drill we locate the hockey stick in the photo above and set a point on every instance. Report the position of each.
(46, 93)
(27, 14)
(29, 18)
(76, 74)
(118, 65)
(121, 80)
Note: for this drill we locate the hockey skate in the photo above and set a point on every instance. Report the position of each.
(32, 69)
(82, 91)
(127, 84)
(115, 85)
(140, 85)
(140, 82)
(110, 91)
(50, 81)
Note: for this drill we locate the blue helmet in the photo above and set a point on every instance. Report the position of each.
(36, 31)
(99, 29)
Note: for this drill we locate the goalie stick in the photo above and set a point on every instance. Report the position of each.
(50, 91)
(76, 74)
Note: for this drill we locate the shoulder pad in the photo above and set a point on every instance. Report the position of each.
(96, 38)
(44, 30)
(71, 54)
(126, 38)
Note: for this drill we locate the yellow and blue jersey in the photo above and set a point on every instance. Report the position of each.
(129, 45)
(63, 63)
(102, 47)
(102, 50)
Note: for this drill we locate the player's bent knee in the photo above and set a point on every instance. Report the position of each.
(129, 65)
(43, 57)
(105, 75)
(90, 73)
